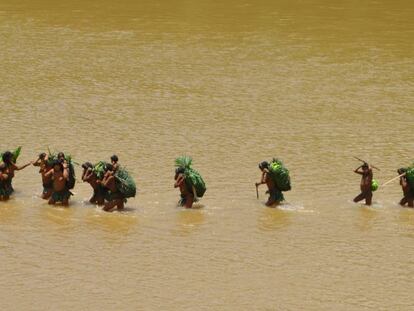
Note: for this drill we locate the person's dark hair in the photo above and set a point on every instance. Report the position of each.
(401, 170)
(42, 155)
(7, 157)
(61, 155)
(114, 158)
(263, 165)
(365, 165)
(179, 170)
(87, 165)
(109, 167)
(58, 162)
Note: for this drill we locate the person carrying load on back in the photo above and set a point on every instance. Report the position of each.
(407, 188)
(275, 195)
(4, 190)
(189, 181)
(120, 185)
(60, 177)
(90, 177)
(366, 185)
(47, 182)
(9, 167)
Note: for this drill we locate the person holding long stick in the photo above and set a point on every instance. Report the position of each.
(366, 183)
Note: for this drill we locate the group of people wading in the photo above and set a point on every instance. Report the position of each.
(112, 184)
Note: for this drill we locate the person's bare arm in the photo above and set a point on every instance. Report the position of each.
(359, 171)
(65, 172)
(18, 168)
(38, 162)
(263, 179)
(179, 181)
(49, 173)
(3, 176)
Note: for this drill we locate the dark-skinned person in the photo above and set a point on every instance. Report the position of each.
(365, 170)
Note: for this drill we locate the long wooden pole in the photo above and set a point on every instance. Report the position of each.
(367, 162)
(392, 180)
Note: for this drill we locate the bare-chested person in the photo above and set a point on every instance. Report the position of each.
(407, 191)
(9, 169)
(275, 195)
(366, 184)
(114, 162)
(186, 192)
(60, 177)
(47, 181)
(98, 190)
(114, 197)
(4, 189)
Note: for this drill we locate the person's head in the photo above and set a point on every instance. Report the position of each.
(365, 166)
(114, 159)
(109, 167)
(42, 156)
(263, 165)
(61, 156)
(178, 171)
(7, 157)
(87, 165)
(401, 171)
(57, 166)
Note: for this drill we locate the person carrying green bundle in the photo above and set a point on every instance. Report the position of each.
(99, 191)
(407, 185)
(7, 169)
(189, 181)
(277, 179)
(120, 186)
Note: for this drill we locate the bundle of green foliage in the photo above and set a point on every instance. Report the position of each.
(280, 175)
(16, 154)
(193, 178)
(125, 183)
(374, 185)
(99, 169)
(72, 178)
(410, 176)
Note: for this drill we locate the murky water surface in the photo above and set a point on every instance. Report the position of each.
(231, 83)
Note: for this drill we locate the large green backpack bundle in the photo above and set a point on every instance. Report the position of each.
(16, 154)
(193, 178)
(72, 177)
(125, 183)
(410, 176)
(280, 175)
(99, 169)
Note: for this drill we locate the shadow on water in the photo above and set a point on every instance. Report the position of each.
(58, 215)
(189, 220)
(8, 212)
(271, 219)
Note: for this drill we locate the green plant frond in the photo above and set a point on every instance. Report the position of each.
(184, 162)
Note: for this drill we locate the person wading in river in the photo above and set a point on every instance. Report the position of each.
(9, 168)
(90, 177)
(275, 195)
(114, 196)
(60, 177)
(366, 184)
(187, 194)
(407, 191)
(47, 181)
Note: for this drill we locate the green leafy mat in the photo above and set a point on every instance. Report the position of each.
(280, 175)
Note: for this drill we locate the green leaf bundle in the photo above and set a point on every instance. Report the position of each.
(125, 183)
(280, 175)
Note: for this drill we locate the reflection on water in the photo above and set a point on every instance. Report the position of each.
(270, 219)
(62, 217)
(188, 221)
